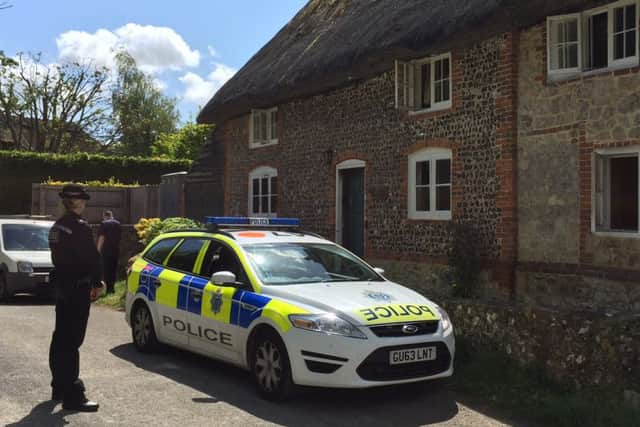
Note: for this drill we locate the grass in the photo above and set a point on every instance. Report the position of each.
(116, 299)
(528, 394)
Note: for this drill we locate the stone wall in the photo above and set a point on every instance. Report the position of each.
(361, 122)
(580, 349)
(562, 263)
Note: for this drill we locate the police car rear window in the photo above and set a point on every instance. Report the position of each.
(159, 252)
(184, 258)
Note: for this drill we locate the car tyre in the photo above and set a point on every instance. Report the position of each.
(142, 330)
(271, 367)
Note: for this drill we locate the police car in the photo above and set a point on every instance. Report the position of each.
(290, 306)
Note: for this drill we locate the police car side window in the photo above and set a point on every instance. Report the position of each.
(220, 258)
(158, 253)
(184, 257)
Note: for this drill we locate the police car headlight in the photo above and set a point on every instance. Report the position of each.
(25, 267)
(327, 323)
(445, 319)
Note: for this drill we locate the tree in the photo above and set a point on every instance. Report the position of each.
(141, 112)
(187, 143)
(53, 108)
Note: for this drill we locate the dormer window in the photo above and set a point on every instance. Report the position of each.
(424, 85)
(264, 127)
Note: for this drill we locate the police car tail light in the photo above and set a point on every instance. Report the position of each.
(326, 323)
(25, 267)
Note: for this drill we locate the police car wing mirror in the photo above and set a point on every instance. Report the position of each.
(378, 270)
(222, 278)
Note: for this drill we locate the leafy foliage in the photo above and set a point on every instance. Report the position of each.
(53, 108)
(187, 143)
(464, 260)
(141, 112)
(149, 228)
(112, 182)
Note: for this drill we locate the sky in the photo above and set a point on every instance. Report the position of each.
(189, 47)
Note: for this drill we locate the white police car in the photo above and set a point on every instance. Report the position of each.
(292, 307)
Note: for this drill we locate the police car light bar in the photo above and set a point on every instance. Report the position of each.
(239, 221)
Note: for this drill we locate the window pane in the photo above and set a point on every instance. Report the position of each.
(256, 187)
(572, 30)
(618, 19)
(445, 68)
(274, 124)
(560, 32)
(438, 70)
(618, 46)
(630, 48)
(425, 101)
(255, 208)
(274, 204)
(630, 17)
(422, 199)
(265, 186)
(184, 257)
(264, 204)
(160, 251)
(274, 185)
(443, 198)
(598, 37)
(422, 173)
(624, 193)
(446, 95)
(443, 171)
(263, 126)
(572, 56)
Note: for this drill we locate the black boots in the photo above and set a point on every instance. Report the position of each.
(74, 400)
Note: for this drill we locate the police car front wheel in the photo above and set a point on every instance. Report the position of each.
(271, 367)
(142, 331)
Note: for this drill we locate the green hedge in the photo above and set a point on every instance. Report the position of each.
(20, 169)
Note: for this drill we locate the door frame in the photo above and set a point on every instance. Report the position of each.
(349, 164)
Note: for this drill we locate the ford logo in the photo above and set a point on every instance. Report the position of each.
(410, 329)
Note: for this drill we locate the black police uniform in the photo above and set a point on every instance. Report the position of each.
(77, 269)
(110, 230)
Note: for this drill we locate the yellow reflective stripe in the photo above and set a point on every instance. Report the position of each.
(134, 278)
(279, 311)
(200, 257)
(394, 313)
(164, 262)
(167, 292)
(255, 284)
(217, 298)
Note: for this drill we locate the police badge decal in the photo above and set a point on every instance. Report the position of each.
(216, 301)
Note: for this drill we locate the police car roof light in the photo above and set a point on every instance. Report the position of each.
(237, 221)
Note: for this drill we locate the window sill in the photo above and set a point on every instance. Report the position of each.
(434, 109)
(442, 216)
(263, 143)
(561, 77)
(618, 234)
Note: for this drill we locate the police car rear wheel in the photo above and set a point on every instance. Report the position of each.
(271, 368)
(144, 336)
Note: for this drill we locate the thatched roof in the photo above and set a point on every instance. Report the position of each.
(330, 43)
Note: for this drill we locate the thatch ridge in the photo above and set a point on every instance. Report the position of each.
(331, 43)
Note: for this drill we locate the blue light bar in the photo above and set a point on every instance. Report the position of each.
(243, 221)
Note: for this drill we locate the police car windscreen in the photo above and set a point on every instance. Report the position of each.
(25, 237)
(297, 263)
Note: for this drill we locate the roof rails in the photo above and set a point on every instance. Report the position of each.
(249, 222)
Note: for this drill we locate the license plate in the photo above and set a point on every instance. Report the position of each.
(412, 355)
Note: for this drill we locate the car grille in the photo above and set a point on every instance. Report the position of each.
(424, 328)
(42, 269)
(376, 367)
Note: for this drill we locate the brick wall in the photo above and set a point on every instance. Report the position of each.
(361, 122)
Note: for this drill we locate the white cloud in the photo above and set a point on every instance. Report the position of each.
(161, 85)
(199, 90)
(212, 51)
(155, 49)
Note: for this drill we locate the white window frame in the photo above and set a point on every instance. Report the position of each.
(600, 200)
(270, 140)
(259, 173)
(563, 18)
(430, 155)
(406, 90)
(612, 64)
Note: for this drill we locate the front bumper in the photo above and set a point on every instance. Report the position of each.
(334, 361)
(29, 282)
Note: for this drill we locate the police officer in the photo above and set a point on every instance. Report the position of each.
(109, 247)
(77, 272)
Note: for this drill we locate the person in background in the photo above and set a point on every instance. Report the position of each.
(76, 275)
(109, 247)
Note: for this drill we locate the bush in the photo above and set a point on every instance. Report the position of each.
(149, 228)
(464, 260)
(112, 182)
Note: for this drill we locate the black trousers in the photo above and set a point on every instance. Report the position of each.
(109, 268)
(72, 315)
